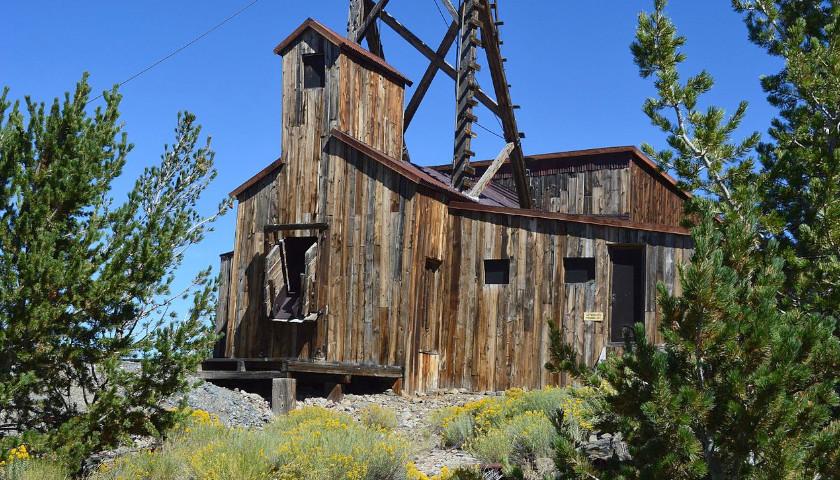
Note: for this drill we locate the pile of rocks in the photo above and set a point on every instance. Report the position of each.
(235, 408)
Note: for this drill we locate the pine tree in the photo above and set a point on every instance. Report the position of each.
(745, 382)
(802, 162)
(86, 280)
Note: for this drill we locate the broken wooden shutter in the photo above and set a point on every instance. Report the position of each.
(307, 281)
(276, 279)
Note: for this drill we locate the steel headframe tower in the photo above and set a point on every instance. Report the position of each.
(470, 18)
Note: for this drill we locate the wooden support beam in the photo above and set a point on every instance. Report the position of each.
(359, 12)
(283, 395)
(490, 36)
(370, 18)
(427, 51)
(482, 182)
(234, 375)
(452, 10)
(465, 93)
(429, 75)
(279, 227)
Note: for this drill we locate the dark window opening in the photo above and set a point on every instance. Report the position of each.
(497, 272)
(296, 248)
(314, 70)
(579, 270)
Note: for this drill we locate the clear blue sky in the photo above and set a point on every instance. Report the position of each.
(568, 63)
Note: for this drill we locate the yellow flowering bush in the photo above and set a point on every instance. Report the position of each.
(308, 444)
(15, 454)
(375, 416)
(415, 474)
(496, 427)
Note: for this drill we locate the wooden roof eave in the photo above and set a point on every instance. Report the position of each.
(348, 47)
(236, 192)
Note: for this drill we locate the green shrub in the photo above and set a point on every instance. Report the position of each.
(375, 416)
(458, 425)
(528, 435)
(308, 444)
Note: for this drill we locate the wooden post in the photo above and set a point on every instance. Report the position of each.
(334, 391)
(283, 395)
(222, 304)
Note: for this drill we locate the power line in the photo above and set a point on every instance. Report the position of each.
(490, 131)
(442, 16)
(181, 48)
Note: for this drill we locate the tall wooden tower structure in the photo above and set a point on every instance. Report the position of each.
(475, 24)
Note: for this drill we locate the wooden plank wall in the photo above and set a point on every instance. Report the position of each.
(308, 115)
(222, 303)
(652, 200)
(604, 191)
(496, 336)
(292, 196)
(400, 278)
(381, 234)
(371, 107)
(247, 322)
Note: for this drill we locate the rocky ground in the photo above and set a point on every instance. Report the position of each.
(235, 407)
(412, 416)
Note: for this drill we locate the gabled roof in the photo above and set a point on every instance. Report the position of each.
(424, 176)
(603, 156)
(348, 47)
(494, 199)
(494, 203)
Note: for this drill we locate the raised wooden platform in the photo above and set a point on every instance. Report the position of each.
(283, 373)
(257, 368)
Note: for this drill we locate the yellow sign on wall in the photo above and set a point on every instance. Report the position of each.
(593, 316)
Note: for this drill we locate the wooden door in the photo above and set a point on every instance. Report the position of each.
(627, 290)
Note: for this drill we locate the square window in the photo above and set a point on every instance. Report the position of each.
(313, 70)
(579, 270)
(497, 271)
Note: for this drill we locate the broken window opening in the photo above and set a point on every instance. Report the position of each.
(290, 273)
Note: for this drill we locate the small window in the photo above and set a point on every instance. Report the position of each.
(313, 70)
(497, 272)
(579, 270)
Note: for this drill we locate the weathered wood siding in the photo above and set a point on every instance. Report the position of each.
(652, 200)
(291, 193)
(222, 300)
(308, 115)
(247, 322)
(382, 231)
(496, 336)
(400, 276)
(371, 107)
(598, 188)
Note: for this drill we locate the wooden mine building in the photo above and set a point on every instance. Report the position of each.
(349, 260)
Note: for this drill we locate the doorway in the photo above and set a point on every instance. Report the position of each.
(628, 290)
